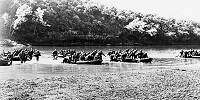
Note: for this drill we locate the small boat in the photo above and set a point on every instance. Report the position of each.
(93, 62)
(4, 62)
(16, 58)
(146, 60)
(143, 60)
(194, 57)
(191, 57)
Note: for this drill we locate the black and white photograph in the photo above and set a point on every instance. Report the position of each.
(99, 50)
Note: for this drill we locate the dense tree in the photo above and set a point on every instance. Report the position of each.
(65, 22)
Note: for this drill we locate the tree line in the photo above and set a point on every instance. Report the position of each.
(78, 22)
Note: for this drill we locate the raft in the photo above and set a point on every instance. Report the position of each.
(16, 58)
(195, 57)
(191, 57)
(143, 60)
(4, 62)
(61, 56)
(93, 62)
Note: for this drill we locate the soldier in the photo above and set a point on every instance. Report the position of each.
(140, 54)
(30, 53)
(55, 54)
(37, 54)
(99, 55)
(22, 56)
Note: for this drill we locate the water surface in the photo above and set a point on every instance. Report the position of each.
(164, 57)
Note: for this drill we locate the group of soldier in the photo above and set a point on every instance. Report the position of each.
(126, 54)
(22, 54)
(189, 53)
(72, 56)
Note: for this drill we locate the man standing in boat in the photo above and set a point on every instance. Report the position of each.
(22, 56)
(99, 55)
(140, 54)
(37, 54)
(55, 54)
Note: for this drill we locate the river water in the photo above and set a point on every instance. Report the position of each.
(164, 57)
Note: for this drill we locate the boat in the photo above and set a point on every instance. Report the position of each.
(146, 60)
(191, 57)
(143, 60)
(93, 62)
(194, 57)
(5, 62)
(16, 58)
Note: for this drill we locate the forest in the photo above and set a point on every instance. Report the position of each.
(83, 22)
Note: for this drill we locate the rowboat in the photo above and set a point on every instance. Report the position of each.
(143, 60)
(195, 57)
(191, 57)
(146, 60)
(16, 58)
(93, 62)
(4, 62)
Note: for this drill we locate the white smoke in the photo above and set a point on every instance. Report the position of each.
(21, 12)
(39, 14)
(136, 24)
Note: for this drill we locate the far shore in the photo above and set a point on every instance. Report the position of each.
(120, 44)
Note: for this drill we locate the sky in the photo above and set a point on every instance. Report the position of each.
(178, 9)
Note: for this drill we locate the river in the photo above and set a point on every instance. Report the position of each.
(164, 57)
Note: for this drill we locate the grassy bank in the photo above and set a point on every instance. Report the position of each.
(155, 84)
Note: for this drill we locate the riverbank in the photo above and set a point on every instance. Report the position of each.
(49, 79)
(165, 78)
(142, 84)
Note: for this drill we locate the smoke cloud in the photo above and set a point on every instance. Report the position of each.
(21, 13)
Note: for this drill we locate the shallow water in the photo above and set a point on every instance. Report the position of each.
(164, 58)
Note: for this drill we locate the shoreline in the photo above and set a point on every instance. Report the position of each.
(114, 44)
